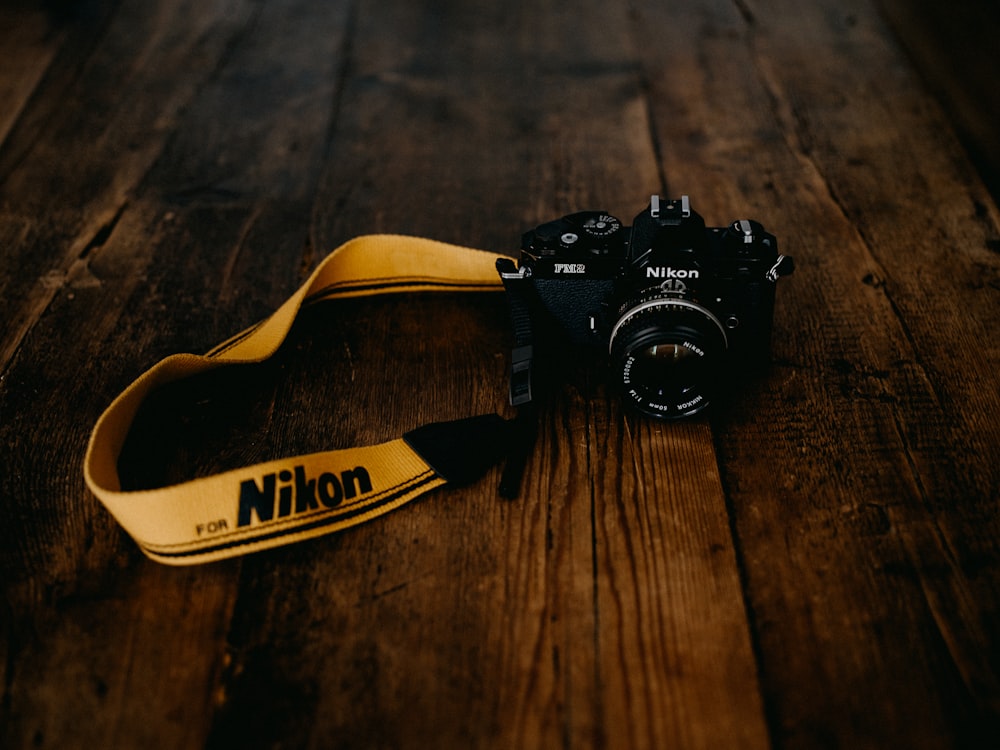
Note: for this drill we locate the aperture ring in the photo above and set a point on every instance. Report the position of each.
(665, 302)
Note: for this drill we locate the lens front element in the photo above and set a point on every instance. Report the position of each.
(668, 353)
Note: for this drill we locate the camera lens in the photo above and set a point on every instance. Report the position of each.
(668, 353)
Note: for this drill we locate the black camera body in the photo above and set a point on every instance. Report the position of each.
(680, 308)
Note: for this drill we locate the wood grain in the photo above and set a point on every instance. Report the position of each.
(949, 46)
(856, 501)
(815, 564)
(30, 44)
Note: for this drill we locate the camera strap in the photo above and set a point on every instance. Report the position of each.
(288, 500)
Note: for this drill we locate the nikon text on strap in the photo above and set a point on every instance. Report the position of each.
(288, 500)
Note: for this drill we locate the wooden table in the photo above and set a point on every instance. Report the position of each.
(815, 565)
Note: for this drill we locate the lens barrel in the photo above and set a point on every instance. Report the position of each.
(668, 353)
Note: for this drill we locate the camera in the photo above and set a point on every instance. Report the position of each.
(680, 310)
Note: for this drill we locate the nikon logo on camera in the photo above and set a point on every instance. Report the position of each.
(666, 272)
(285, 493)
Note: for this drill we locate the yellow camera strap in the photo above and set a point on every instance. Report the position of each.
(284, 501)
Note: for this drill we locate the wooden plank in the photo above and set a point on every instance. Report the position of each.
(950, 47)
(862, 474)
(128, 657)
(88, 624)
(29, 43)
(75, 171)
(86, 141)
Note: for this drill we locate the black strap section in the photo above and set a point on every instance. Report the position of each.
(523, 352)
(523, 433)
(464, 450)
